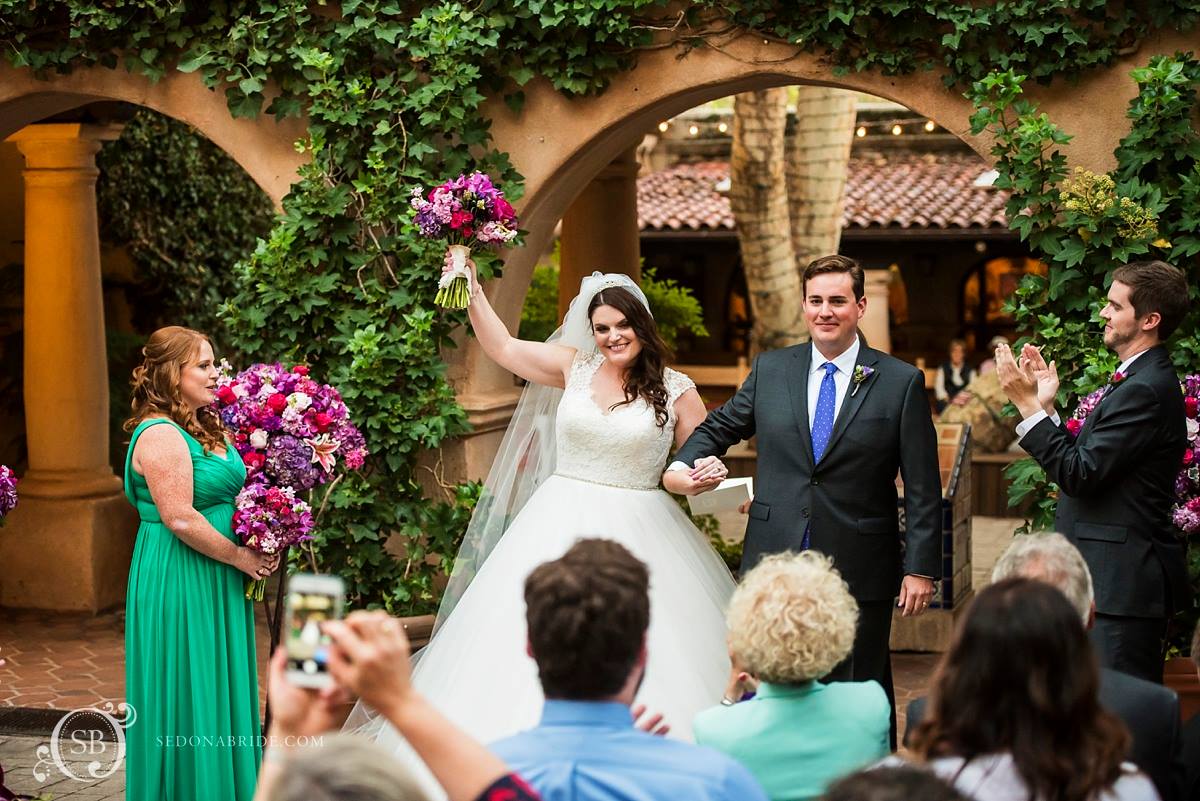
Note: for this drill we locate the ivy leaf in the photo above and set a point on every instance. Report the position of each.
(194, 60)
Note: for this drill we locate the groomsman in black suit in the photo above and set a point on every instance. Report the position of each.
(1116, 473)
(835, 421)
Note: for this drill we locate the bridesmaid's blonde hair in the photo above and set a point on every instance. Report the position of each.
(156, 385)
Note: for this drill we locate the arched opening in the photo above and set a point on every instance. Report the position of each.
(80, 291)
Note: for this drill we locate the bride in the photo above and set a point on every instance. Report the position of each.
(582, 458)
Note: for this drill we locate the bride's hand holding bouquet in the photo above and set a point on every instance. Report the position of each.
(465, 212)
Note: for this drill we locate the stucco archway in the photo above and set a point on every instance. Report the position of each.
(263, 146)
(560, 144)
(72, 504)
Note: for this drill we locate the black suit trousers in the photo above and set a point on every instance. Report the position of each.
(871, 657)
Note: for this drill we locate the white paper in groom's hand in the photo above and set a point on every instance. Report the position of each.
(728, 495)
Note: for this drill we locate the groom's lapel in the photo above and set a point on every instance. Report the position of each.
(854, 399)
(798, 392)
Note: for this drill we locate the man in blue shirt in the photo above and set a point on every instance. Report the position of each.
(587, 613)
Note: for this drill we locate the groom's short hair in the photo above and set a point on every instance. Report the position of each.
(837, 264)
(587, 613)
(1155, 286)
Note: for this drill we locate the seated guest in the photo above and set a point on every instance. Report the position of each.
(950, 385)
(587, 615)
(791, 621)
(369, 657)
(898, 783)
(1191, 737)
(1150, 711)
(1014, 712)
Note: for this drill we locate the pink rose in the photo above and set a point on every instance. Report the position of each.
(1073, 426)
(322, 421)
(1191, 406)
(300, 369)
(277, 402)
(226, 395)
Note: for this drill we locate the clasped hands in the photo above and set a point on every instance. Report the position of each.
(1029, 382)
(706, 474)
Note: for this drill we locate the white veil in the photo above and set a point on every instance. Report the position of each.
(527, 452)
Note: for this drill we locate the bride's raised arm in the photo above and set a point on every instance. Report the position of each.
(539, 362)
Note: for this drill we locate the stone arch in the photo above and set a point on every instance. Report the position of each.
(262, 146)
(560, 144)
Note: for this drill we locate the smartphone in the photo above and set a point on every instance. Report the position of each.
(311, 601)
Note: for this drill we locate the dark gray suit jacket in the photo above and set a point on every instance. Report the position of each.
(1150, 712)
(1118, 484)
(850, 497)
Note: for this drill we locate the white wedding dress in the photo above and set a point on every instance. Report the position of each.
(476, 669)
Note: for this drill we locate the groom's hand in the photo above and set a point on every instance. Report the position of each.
(915, 594)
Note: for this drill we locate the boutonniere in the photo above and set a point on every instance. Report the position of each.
(861, 374)
(1117, 378)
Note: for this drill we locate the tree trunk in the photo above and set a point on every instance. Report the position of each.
(818, 160)
(758, 198)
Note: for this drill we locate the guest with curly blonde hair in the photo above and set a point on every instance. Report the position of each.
(791, 622)
(190, 672)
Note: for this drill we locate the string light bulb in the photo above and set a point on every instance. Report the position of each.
(929, 125)
(897, 130)
(694, 129)
(722, 127)
(663, 126)
(861, 132)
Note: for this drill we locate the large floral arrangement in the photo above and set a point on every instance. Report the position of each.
(8, 491)
(1187, 483)
(293, 433)
(465, 211)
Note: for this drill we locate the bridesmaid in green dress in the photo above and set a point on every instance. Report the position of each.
(190, 672)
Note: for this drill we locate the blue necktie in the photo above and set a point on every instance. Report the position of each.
(822, 424)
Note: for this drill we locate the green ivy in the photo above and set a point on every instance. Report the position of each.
(1086, 225)
(185, 213)
(393, 94)
(676, 309)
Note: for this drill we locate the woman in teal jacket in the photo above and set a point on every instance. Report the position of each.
(791, 621)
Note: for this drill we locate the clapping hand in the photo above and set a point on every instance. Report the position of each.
(1046, 375)
(1018, 381)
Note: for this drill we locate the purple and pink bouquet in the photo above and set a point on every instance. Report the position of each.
(270, 519)
(293, 434)
(8, 491)
(464, 212)
(1186, 514)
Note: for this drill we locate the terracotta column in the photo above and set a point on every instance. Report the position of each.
(68, 543)
(874, 323)
(600, 229)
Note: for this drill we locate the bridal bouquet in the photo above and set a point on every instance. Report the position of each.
(464, 212)
(293, 434)
(1187, 484)
(8, 491)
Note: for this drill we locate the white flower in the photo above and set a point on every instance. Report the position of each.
(266, 391)
(299, 400)
(1193, 428)
(258, 439)
(240, 391)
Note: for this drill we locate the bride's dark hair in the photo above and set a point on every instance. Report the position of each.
(645, 377)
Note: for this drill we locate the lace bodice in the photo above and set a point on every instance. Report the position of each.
(621, 448)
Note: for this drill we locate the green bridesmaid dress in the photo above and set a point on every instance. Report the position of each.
(190, 670)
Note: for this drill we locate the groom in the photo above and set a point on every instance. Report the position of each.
(835, 421)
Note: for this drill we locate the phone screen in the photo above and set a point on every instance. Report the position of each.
(310, 605)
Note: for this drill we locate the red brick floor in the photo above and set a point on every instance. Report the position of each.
(68, 661)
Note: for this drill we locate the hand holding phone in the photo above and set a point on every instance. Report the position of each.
(312, 602)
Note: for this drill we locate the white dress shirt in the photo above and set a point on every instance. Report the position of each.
(841, 383)
(1026, 425)
(841, 379)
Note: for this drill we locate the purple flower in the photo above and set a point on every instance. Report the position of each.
(289, 462)
(8, 490)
